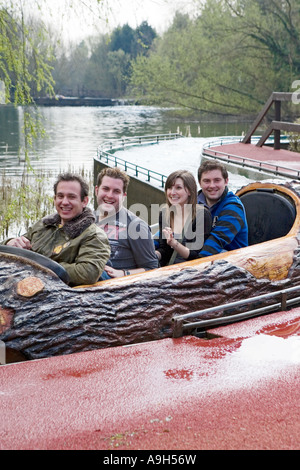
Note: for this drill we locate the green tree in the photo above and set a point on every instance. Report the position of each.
(96, 75)
(69, 70)
(106, 72)
(274, 25)
(227, 60)
(61, 74)
(118, 70)
(144, 37)
(26, 71)
(122, 38)
(24, 68)
(109, 68)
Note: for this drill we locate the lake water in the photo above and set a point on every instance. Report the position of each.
(74, 133)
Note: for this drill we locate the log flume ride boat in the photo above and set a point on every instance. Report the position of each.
(41, 316)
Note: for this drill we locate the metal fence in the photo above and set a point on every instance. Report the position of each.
(182, 325)
(105, 153)
(245, 162)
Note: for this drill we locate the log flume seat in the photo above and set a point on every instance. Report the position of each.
(270, 214)
(41, 316)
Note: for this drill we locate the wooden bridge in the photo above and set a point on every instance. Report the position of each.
(274, 160)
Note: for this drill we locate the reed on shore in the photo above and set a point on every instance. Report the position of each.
(26, 199)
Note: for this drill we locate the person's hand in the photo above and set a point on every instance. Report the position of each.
(114, 272)
(169, 236)
(20, 242)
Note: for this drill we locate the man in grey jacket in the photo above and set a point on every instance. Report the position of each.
(132, 247)
(70, 237)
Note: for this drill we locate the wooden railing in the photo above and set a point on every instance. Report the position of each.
(276, 125)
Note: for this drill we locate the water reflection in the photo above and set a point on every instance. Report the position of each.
(74, 133)
(9, 131)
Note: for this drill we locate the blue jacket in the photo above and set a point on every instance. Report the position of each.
(230, 229)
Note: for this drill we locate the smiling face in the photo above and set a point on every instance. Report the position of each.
(213, 185)
(177, 193)
(110, 195)
(67, 200)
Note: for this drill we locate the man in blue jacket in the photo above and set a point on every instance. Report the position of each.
(230, 229)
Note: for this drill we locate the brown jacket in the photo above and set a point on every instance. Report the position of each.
(79, 245)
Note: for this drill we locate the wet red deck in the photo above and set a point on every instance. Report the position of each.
(237, 391)
(265, 154)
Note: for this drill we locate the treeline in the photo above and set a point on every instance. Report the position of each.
(226, 59)
(102, 66)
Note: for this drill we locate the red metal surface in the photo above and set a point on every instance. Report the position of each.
(236, 391)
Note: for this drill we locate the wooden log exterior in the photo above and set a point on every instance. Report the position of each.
(40, 316)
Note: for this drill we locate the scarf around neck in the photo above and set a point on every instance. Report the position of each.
(74, 227)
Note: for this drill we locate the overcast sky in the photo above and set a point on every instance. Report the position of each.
(112, 13)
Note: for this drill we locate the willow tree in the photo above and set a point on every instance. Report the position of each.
(25, 72)
(24, 68)
(226, 59)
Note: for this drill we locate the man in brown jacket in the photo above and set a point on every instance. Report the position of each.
(70, 237)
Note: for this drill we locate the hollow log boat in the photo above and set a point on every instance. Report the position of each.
(41, 316)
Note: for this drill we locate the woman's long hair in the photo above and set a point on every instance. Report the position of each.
(190, 185)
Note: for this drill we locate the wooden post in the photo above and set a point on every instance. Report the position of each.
(277, 132)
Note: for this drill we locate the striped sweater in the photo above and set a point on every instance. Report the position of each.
(230, 229)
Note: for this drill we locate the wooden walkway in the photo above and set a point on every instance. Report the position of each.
(279, 162)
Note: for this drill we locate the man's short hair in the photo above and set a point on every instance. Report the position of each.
(73, 177)
(114, 173)
(210, 165)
